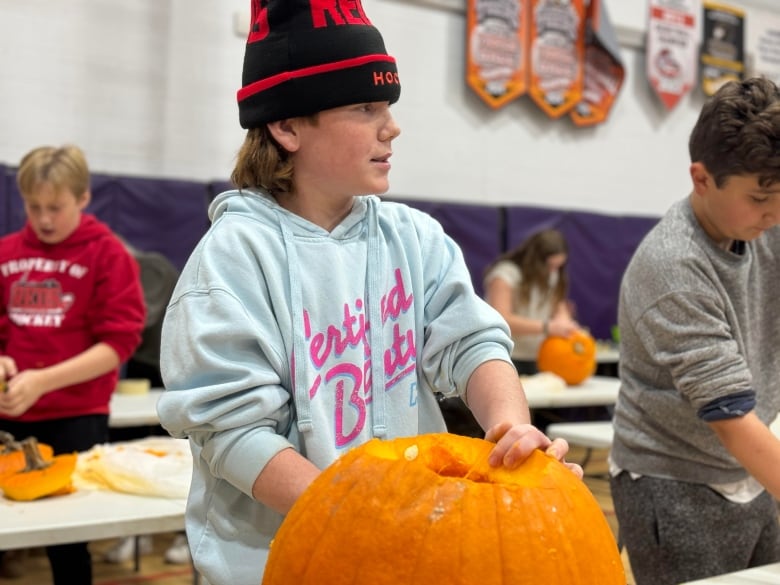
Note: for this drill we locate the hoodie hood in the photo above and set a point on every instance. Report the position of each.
(263, 207)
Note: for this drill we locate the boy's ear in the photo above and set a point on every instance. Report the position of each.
(285, 133)
(701, 178)
(85, 199)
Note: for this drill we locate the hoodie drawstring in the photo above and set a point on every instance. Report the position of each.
(300, 395)
(374, 274)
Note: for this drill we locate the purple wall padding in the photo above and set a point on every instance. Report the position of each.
(600, 247)
(170, 216)
(6, 178)
(216, 187)
(162, 215)
(15, 218)
(476, 229)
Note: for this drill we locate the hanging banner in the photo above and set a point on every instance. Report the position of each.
(763, 42)
(557, 54)
(497, 54)
(672, 46)
(723, 46)
(604, 71)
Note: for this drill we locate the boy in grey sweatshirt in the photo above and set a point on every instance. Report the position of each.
(695, 468)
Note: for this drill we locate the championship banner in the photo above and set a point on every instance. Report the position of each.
(604, 71)
(723, 46)
(497, 53)
(672, 47)
(763, 42)
(557, 54)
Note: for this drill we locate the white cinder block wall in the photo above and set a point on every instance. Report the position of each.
(147, 87)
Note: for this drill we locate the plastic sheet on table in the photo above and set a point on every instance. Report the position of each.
(154, 466)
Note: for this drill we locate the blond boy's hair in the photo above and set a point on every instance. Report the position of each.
(63, 167)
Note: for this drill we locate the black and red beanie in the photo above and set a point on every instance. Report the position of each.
(305, 56)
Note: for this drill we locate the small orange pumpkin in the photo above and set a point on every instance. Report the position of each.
(39, 477)
(572, 358)
(12, 455)
(429, 509)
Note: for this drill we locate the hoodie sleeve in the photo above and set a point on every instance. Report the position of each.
(461, 331)
(220, 361)
(118, 313)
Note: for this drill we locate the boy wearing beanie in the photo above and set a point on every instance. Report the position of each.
(313, 317)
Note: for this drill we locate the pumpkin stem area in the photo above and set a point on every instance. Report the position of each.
(8, 442)
(32, 455)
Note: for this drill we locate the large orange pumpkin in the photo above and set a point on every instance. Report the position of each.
(429, 509)
(572, 358)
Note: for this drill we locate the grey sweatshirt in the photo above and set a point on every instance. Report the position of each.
(697, 323)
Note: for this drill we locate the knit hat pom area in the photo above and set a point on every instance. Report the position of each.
(305, 56)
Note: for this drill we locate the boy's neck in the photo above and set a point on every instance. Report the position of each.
(325, 214)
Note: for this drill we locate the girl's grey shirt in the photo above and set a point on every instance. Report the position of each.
(697, 324)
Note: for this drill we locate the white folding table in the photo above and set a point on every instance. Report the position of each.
(595, 391)
(134, 410)
(86, 515)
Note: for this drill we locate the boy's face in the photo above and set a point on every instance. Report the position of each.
(345, 152)
(54, 214)
(738, 210)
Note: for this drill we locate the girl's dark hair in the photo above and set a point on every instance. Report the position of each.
(531, 257)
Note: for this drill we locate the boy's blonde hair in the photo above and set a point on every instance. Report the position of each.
(63, 167)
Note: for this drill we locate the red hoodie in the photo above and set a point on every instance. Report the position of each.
(58, 300)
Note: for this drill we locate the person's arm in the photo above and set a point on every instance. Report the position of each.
(755, 446)
(496, 398)
(284, 478)
(500, 295)
(25, 388)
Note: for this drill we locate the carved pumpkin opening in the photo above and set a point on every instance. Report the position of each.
(445, 463)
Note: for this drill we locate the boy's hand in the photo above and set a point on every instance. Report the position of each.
(514, 443)
(7, 368)
(21, 392)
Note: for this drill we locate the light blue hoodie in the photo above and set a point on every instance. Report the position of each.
(269, 342)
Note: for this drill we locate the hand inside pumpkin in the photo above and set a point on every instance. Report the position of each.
(515, 443)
